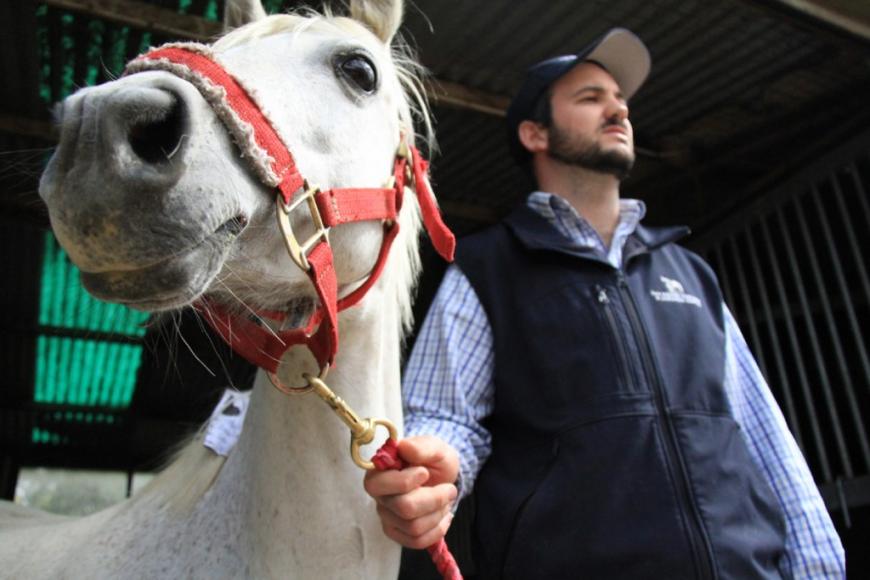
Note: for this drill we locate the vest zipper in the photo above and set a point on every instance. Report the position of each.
(698, 539)
(618, 339)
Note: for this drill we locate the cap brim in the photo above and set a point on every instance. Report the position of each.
(624, 56)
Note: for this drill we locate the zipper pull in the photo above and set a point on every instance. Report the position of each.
(603, 298)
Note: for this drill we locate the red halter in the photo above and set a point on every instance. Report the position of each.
(328, 208)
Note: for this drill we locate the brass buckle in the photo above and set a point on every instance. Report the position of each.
(299, 252)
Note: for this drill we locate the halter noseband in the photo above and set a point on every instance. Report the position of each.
(275, 166)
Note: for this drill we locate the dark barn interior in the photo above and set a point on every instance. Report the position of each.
(753, 129)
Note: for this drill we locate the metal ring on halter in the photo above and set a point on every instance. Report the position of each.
(288, 390)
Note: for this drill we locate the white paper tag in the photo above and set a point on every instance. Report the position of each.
(225, 424)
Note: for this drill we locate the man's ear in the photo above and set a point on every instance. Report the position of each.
(533, 136)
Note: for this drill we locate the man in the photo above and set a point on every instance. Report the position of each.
(582, 374)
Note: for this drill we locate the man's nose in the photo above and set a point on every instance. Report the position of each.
(617, 109)
(620, 110)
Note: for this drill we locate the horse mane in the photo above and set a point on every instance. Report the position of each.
(188, 474)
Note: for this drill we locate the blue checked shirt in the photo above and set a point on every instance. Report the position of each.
(448, 389)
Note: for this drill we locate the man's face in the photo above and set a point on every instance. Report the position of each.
(590, 126)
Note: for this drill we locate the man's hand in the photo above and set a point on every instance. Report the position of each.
(415, 503)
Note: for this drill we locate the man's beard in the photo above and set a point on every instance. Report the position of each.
(573, 151)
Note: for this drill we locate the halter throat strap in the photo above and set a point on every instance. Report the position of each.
(275, 166)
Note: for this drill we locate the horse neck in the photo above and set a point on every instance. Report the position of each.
(292, 463)
(278, 427)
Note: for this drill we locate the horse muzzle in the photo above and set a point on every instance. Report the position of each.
(116, 185)
(130, 133)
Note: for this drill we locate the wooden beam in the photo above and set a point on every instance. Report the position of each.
(462, 97)
(145, 16)
(852, 16)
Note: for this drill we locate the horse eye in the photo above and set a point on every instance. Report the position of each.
(361, 71)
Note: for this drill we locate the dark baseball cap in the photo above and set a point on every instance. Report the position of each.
(619, 51)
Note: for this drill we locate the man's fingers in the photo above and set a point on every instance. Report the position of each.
(414, 503)
(419, 502)
(421, 541)
(393, 482)
(415, 527)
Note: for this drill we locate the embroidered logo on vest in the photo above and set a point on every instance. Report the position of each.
(674, 292)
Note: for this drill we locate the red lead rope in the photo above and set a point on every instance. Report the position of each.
(387, 457)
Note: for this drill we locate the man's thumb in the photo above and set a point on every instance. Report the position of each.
(424, 450)
(436, 455)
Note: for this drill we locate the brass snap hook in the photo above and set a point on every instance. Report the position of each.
(362, 431)
(357, 442)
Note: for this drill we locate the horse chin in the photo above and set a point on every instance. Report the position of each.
(169, 284)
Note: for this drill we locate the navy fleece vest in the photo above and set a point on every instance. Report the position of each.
(615, 454)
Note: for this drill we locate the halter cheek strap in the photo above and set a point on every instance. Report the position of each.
(275, 166)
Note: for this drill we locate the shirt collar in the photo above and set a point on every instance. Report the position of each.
(562, 215)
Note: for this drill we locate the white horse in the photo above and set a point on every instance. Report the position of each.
(149, 196)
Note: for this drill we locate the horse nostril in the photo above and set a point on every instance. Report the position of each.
(158, 139)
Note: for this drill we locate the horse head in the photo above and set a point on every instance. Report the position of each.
(159, 198)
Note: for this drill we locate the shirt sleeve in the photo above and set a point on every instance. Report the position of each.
(812, 546)
(448, 380)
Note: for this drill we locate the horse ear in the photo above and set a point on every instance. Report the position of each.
(383, 17)
(240, 12)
